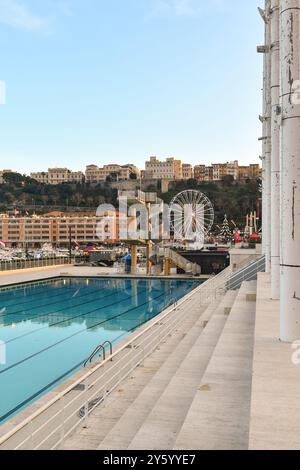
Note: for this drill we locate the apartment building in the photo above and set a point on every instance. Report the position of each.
(233, 169)
(209, 173)
(253, 171)
(221, 170)
(244, 172)
(172, 169)
(2, 173)
(95, 174)
(217, 171)
(169, 169)
(56, 176)
(35, 231)
(200, 172)
(187, 171)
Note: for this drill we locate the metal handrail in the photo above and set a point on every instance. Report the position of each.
(229, 280)
(247, 273)
(97, 349)
(110, 346)
(173, 302)
(91, 357)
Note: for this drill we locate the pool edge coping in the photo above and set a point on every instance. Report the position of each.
(174, 277)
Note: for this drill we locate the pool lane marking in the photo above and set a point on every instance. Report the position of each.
(41, 315)
(36, 286)
(35, 317)
(74, 334)
(77, 316)
(28, 400)
(65, 289)
(37, 292)
(53, 303)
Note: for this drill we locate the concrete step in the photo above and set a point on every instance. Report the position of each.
(161, 427)
(275, 405)
(219, 415)
(105, 417)
(132, 419)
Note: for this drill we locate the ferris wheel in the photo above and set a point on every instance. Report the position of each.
(192, 216)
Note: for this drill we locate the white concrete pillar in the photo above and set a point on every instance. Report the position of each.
(275, 150)
(268, 149)
(266, 139)
(290, 170)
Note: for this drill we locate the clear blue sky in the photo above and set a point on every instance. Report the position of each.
(99, 81)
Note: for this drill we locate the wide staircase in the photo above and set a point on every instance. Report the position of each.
(193, 392)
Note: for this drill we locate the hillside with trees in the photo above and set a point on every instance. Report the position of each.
(20, 192)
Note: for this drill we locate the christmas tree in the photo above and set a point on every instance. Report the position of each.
(225, 230)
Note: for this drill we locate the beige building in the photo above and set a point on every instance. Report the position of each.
(172, 169)
(233, 169)
(252, 171)
(217, 171)
(58, 176)
(255, 170)
(95, 174)
(187, 171)
(209, 173)
(200, 172)
(169, 169)
(35, 231)
(220, 170)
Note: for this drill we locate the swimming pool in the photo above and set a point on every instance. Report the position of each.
(49, 328)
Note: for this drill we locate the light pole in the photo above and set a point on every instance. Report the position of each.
(70, 243)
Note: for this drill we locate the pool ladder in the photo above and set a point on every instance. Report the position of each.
(101, 347)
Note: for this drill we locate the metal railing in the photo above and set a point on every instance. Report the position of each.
(54, 421)
(229, 280)
(99, 348)
(17, 264)
(247, 273)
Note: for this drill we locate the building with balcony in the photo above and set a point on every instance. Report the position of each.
(252, 171)
(57, 176)
(170, 169)
(187, 171)
(217, 171)
(57, 229)
(221, 170)
(200, 172)
(114, 172)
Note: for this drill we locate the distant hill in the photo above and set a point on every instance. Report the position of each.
(22, 193)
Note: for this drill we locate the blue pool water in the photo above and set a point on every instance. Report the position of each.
(49, 328)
